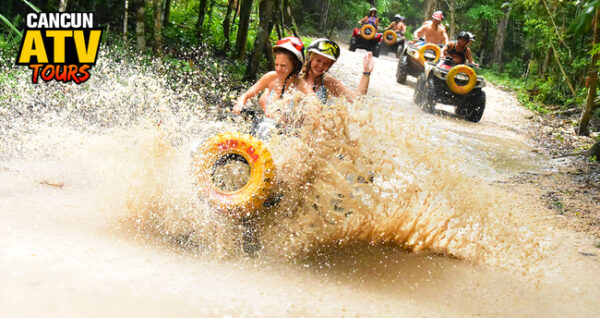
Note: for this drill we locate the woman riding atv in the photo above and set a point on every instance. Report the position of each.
(371, 18)
(289, 57)
(322, 53)
(458, 52)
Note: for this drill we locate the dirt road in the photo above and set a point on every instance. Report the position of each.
(71, 250)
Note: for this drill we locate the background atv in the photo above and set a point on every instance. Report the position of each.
(453, 85)
(412, 59)
(392, 42)
(366, 38)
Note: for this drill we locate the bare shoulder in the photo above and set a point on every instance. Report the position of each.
(331, 82)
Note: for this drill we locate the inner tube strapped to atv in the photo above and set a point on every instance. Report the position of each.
(390, 37)
(451, 79)
(367, 31)
(429, 47)
(247, 199)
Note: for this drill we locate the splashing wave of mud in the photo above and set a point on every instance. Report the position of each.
(354, 175)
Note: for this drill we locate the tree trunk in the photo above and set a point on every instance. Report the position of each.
(140, 26)
(324, 11)
(500, 37)
(294, 27)
(262, 36)
(593, 80)
(167, 13)
(544, 67)
(562, 70)
(125, 17)
(62, 6)
(269, 53)
(242, 36)
(201, 14)
(158, 43)
(226, 23)
(430, 7)
(210, 14)
(451, 11)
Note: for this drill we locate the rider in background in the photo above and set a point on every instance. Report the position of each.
(371, 19)
(322, 53)
(459, 50)
(397, 25)
(433, 31)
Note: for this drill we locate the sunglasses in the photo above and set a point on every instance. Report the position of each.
(329, 46)
(295, 42)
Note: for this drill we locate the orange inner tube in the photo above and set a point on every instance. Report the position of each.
(451, 79)
(390, 37)
(250, 197)
(367, 31)
(429, 47)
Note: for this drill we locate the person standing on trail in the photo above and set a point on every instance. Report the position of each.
(397, 25)
(322, 53)
(433, 31)
(289, 57)
(371, 18)
(459, 50)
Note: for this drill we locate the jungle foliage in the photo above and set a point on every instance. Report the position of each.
(544, 49)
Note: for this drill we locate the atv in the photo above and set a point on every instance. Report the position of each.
(412, 57)
(456, 85)
(393, 42)
(366, 38)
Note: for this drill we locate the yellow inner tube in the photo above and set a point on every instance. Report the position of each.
(390, 37)
(370, 34)
(451, 79)
(427, 47)
(250, 197)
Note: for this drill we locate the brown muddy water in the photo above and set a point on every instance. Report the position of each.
(100, 215)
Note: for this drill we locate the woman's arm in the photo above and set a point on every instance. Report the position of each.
(338, 89)
(258, 87)
(363, 20)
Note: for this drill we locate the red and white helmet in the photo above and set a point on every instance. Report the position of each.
(292, 44)
(438, 15)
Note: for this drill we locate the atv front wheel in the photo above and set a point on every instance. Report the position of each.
(428, 99)
(473, 109)
(418, 92)
(376, 49)
(352, 44)
(402, 70)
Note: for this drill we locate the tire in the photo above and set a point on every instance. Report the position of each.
(383, 49)
(451, 79)
(352, 44)
(367, 32)
(246, 200)
(474, 107)
(429, 93)
(402, 70)
(400, 50)
(376, 49)
(418, 93)
(389, 37)
(436, 49)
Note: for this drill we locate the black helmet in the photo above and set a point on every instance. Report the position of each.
(466, 35)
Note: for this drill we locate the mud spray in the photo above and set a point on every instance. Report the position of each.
(354, 176)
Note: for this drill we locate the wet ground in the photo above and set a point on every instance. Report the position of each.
(70, 250)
